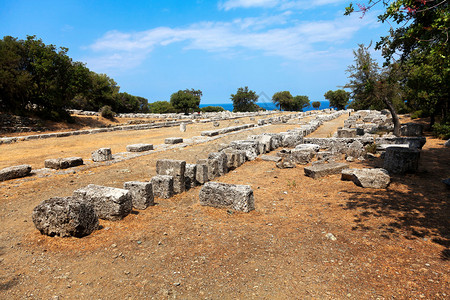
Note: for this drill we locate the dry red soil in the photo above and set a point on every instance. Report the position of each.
(390, 243)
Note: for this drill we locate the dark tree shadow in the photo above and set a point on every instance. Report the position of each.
(418, 207)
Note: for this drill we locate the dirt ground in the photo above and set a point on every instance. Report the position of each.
(391, 243)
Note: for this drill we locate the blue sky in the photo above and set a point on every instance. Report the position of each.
(155, 48)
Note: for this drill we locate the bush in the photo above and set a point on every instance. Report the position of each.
(442, 131)
(416, 114)
(371, 148)
(161, 107)
(106, 112)
(212, 109)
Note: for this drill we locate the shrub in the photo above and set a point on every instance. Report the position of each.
(442, 131)
(416, 114)
(212, 109)
(106, 112)
(371, 148)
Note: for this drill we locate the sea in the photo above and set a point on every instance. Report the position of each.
(266, 105)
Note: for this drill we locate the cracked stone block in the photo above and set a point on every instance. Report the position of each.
(237, 197)
(286, 162)
(222, 161)
(141, 193)
(102, 154)
(303, 156)
(213, 167)
(15, 172)
(346, 133)
(162, 186)
(174, 168)
(189, 176)
(367, 178)
(109, 203)
(250, 147)
(63, 163)
(270, 158)
(323, 169)
(291, 139)
(183, 127)
(411, 129)
(173, 140)
(139, 147)
(201, 172)
(398, 160)
(65, 217)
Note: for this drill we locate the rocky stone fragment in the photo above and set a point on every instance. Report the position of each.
(310, 147)
(63, 163)
(139, 147)
(237, 197)
(65, 217)
(411, 129)
(174, 168)
(447, 143)
(286, 162)
(162, 186)
(183, 127)
(102, 154)
(270, 158)
(355, 149)
(109, 203)
(250, 147)
(303, 156)
(367, 178)
(346, 133)
(189, 176)
(399, 160)
(222, 161)
(320, 170)
(201, 172)
(291, 139)
(141, 193)
(173, 140)
(15, 172)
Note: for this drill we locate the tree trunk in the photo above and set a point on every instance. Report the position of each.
(395, 118)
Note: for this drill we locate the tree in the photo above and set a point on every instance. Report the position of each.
(212, 109)
(301, 102)
(338, 99)
(244, 100)
(283, 100)
(161, 107)
(184, 101)
(316, 104)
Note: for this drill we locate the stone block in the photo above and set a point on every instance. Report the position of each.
(102, 154)
(303, 156)
(286, 162)
(320, 170)
(411, 129)
(291, 139)
(183, 127)
(237, 197)
(63, 163)
(222, 162)
(250, 147)
(174, 168)
(162, 186)
(270, 158)
(309, 147)
(15, 172)
(346, 133)
(399, 160)
(367, 178)
(141, 193)
(65, 217)
(109, 203)
(447, 143)
(201, 172)
(139, 147)
(173, 140)
(355, 149)
(189, 176)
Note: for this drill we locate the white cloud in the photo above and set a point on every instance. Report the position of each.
(230, 4)
(280, 4)
(273, 36)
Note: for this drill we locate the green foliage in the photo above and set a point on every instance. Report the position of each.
(106, 112)
(212, 109)
(442, 131)
(185, 101)
(338, 99)
(244, 100)
(316, 104)
(285, 101)
(371, 148)
(161, 107)
(416, 114)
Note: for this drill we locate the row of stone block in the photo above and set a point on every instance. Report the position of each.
(226, 130)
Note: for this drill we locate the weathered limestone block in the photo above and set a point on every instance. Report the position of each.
(162, 186)
(413, 142)
(286, 161)
(201, 172)
(237, 197)
(183, 127)
(276, 140)
(222, 161)
(270, 158)
(411, 129)
(291, 139)
(15, 172)
(320, 170)
(173, 140)
(102, 154)
(109, 203)
(216, 124)
(189, 176)
(355, 149)
(310, 147)
(63, 163)
(174, 168)
(213, 167)
(383, 147)
(303, 156)
(367, 178)
(141, 193)
(139, 147)
(65, 217)
(251, 148)
(399, 160)
(346, 133)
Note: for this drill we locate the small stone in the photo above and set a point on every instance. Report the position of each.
(330, 236)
